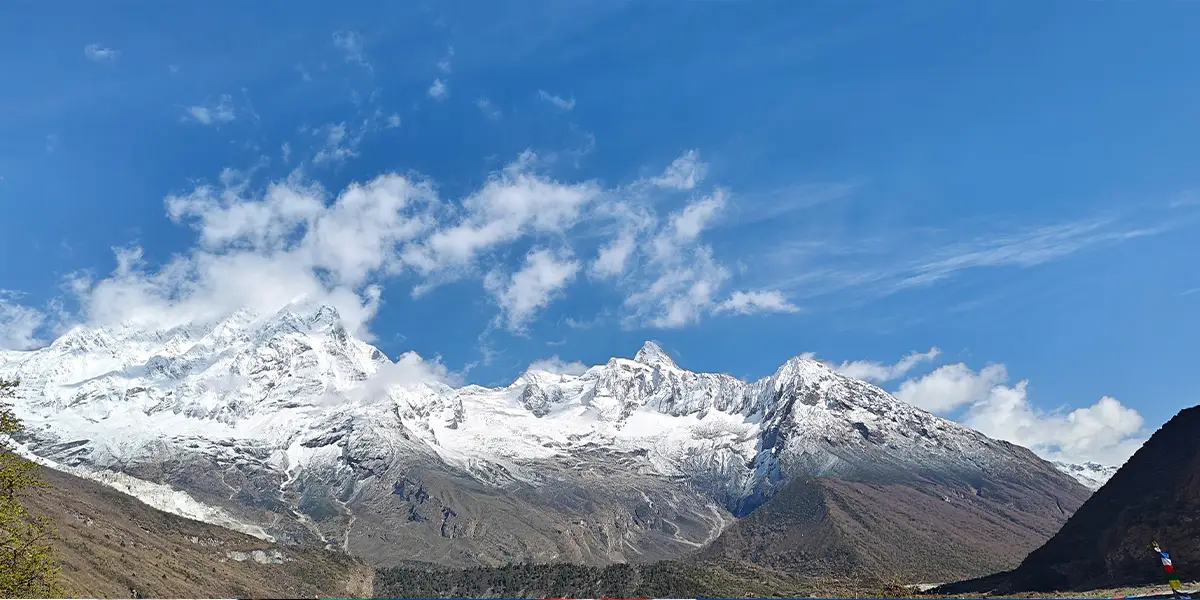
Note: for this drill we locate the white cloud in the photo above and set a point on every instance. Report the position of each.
(685, 172)
(681, 293)
(351, 45)
(1106, 432)
(532, 288)
(560, 102)
(513, 203)
(100, 54)
(878, 372)
(756, 301)
(685, 226)
(18, 324)
(613, 257)
(409, 371)
(950, 387)
(558, 366)
(488, 109)
(263, 252)
(221, 112)
(616, 256)
(678, 280)
(261, 245)
(393, 121)
(438, 90)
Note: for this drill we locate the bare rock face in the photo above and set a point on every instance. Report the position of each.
(288, 427)
(1155, 496)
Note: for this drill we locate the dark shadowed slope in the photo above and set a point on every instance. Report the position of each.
(112, 544)
(1154, 496)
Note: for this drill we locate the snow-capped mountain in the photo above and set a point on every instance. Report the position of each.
(1091, 474)
(287, 423)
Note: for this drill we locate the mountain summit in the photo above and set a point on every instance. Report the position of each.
(288, 425)
(652, 354)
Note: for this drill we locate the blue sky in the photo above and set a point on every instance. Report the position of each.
(1013, 183)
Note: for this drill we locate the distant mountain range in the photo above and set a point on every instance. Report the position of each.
(286, 427)
(1155, 496)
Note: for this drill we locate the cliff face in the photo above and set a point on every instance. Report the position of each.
(1155, 496)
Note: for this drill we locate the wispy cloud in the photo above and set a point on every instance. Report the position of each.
(446, 63)
(1023, 249)
(755, 208)
(559, 101)
(339, 143)
(488, 109)
(351, 45)
(875, 266)
(684, 173)
(393, 121)
(213, 114)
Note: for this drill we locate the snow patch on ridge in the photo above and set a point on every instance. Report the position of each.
(1092, 475)
(155, 495)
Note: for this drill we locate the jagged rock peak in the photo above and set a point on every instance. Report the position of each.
(652, 354)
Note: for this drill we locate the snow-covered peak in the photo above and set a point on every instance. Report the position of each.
(651, 354)
(290, 387)
(1091, 474)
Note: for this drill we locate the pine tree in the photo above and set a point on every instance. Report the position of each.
(27, 567)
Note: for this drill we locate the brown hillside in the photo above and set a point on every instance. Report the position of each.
(919, 532)
(113, 545)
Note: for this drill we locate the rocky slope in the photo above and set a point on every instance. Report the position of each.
(286, 427)
(111, 545)
(1155, 496)
(936, 529)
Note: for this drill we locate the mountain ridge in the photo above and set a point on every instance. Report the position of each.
(287, 422)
